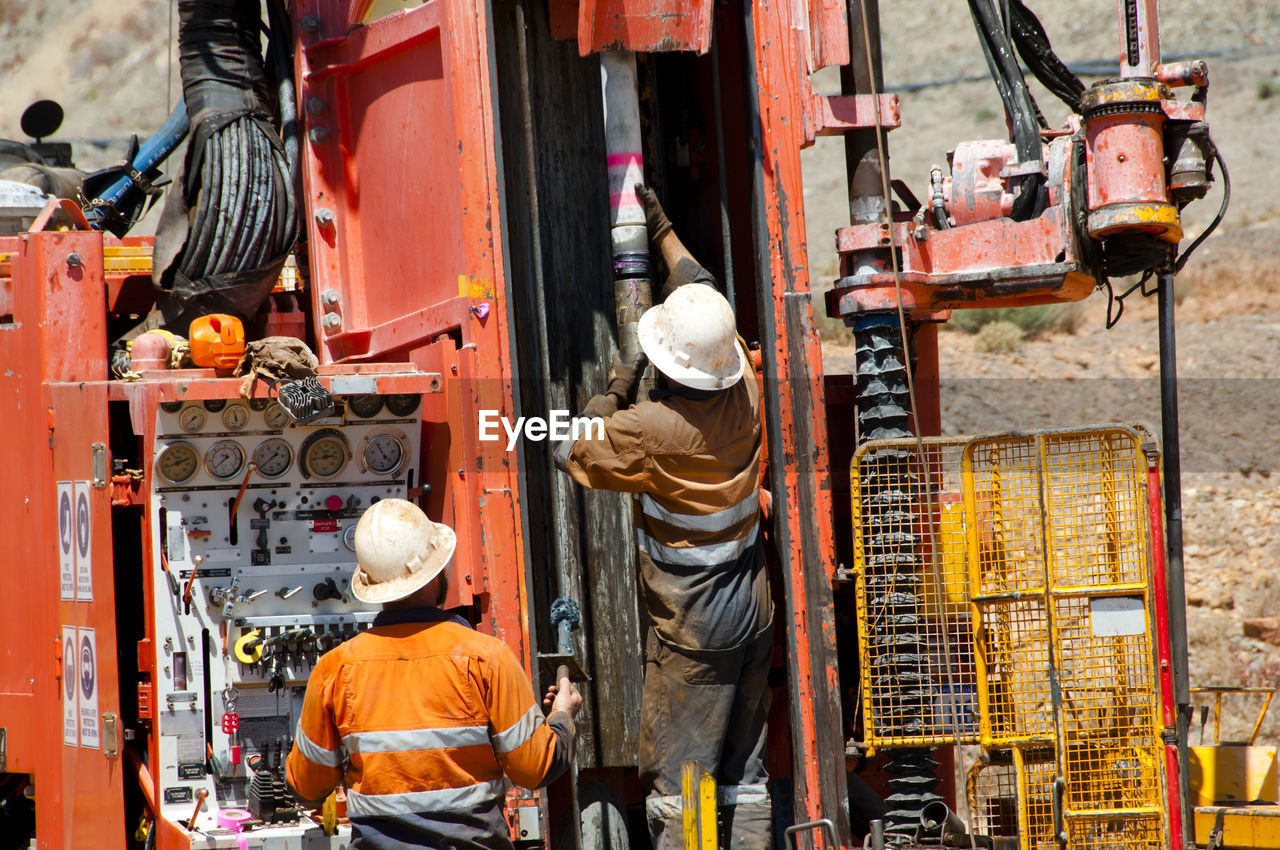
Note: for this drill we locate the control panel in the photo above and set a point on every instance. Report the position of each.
(254, 519)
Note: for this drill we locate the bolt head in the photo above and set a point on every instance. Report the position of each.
(315, 106)
(318, 135)
(309, 23)
(324, 217)
(329, 297)
(332, 321)
(74, 260)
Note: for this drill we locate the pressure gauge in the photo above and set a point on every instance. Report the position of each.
(178, 462)
(349, 537)
(273, 457)
(259, 404)
(402, 404)
(325, 455)
(170, 406)
(235, 417)
(276, 418)
(383, 453)
(191, 419)
(224, 459)
(213, 405)
(365, 406)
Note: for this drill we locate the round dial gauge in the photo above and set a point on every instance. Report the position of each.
(384, 453)
(276, 417)
(349, 537)
(224, 459)
(326, 457)
(259, 404)
(235, 417)
(178, 462)
(273, 457)
(170, 406)
(365, 406)
(191, 419)
(402, 404)
(213, 405)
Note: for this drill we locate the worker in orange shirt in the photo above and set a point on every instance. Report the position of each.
(691, 456)
(420, 716)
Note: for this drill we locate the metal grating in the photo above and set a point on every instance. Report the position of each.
(1059, 551)
(914, 622)
(1013, 798)
(993, 800)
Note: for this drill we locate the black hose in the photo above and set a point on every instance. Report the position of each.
(1032, 190)
(1033, 46)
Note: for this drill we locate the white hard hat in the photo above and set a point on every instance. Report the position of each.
(692, 338)
(398, 550)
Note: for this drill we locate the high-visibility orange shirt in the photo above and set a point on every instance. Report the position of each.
(420, 717)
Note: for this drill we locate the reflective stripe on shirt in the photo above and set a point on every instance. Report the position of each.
(519, 732)
(716, 521)
(709, 555)
(401, 740)
(465, 799)
(316, 753)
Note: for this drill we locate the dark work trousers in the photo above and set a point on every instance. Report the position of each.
(711, 708)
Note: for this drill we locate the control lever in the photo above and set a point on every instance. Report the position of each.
(249, 595)
(327, 589)
(289, 592)
(225, 596)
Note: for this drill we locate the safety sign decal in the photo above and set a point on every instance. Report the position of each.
(70, 686)
(87, 658)
(84, 540)
(66, 540)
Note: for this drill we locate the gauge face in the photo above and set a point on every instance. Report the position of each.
(259, 404)
(178, 462)
(349, 537)
(384, 453)
(273, 457)
(402, 404)
(213, 405)
(276, 417)
(365, 406)
(235, 417)
(326, 457)
(224, 459)
(191, 419)
(170, 406)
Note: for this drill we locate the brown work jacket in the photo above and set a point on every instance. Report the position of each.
(692, 460)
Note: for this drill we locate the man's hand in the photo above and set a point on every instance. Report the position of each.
(654, 216)
(624, 377)
(563, 697)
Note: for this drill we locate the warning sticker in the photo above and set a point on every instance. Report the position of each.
(66, 540)
(84, 539)
(70, 684)
(88, 661)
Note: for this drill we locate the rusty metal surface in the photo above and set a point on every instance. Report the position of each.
(799, 469)
(581, 541)
(644, 26)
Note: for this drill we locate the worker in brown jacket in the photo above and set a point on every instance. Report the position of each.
(691, 457)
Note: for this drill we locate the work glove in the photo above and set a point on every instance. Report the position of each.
(624, 380)
(654, 218)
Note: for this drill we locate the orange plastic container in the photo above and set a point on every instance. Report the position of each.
(217, 341)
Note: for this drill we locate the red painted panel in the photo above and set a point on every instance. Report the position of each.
(644, 26)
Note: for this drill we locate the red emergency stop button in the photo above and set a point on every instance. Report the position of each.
(333, 503)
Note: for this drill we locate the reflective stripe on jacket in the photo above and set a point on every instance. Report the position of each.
(693, 460)
(426, 715)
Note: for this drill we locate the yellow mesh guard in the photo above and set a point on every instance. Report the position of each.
(1059, 561)
(910, 555)
(136, 259)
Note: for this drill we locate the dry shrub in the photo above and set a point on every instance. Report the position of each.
(999, 336)
(1032, 321)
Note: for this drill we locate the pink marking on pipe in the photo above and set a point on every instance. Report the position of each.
(628, 158)
(624, 199)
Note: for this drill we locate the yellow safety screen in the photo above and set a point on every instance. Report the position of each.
(919, 685)
(1059, 555)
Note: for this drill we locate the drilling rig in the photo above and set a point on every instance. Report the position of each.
(460, 176)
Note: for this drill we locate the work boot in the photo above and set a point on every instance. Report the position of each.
(666, 821)
(746, 825)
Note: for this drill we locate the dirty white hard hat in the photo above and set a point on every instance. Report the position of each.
(693, 340)
(398, 550)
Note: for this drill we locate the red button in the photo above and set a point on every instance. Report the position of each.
(333, 503)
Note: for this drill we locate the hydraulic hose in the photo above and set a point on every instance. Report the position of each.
(118, 205)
